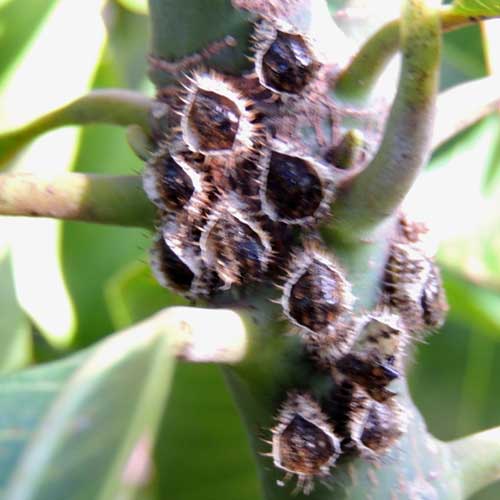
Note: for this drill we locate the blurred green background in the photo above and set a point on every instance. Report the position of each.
(65, 285)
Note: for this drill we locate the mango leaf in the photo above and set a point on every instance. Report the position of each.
(137, 6)
(202, 450)
(53, 315)
(83, 427)
(477, 7)
(17, 26)
(15, 336)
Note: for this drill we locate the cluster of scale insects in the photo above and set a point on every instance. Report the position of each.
(240, 193)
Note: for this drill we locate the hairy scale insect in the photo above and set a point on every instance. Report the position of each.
(385, 423)
(413, 286)
(236, 247)
(170, 269)
(169, 178)
(216, 117)
(316, 294)
(295, 188)
(377, 358)
(347, 406)
(304, 443)
(284, 59)
(367, 427)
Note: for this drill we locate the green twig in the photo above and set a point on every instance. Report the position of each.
(477, 458)
(359, 77)
(374, 195)
(101, 199)
(113, 106)
(464, 105)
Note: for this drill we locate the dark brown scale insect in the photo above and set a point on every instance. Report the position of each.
(216, 117)
(173, 186)
(238, 250)
(377, 358)
(370, 372)
(295, 189)
(213, 120)
(303, 442)
(316, 294)
(384, 425)
(316, 298)
(304, 447)
(288, 64)
(347, 406)
(433, 300)
(169, 269)
(413, 286)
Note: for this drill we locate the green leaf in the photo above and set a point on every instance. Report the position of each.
(83, 427)
(202, 450)
(137, 6)
(477, 7)
(133, 294)
(128, 42)
(15, 337)
(17, 26)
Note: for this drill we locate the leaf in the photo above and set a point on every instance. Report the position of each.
(17, 25)
(15, 338)
(128, 42)
(477, 7)
(137, 6)
(133, 294)
(52, 313)
(83, 427)
(202, 450)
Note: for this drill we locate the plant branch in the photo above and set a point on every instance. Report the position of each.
(359, 77)
(112, 106)
(101, 199)
(478, 459)
(377, 191)
(461, 106)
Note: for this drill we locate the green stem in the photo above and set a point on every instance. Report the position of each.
(477, 458)
(186, 28)
(377, 191)
(118, 200)
(461, 106)
(359, 77)
(113, 106)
